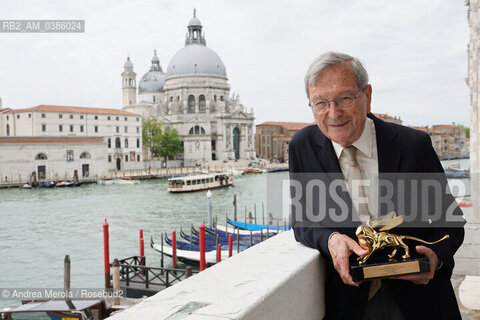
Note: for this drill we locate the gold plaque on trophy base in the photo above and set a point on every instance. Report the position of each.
(376, 269)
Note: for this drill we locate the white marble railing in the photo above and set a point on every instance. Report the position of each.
(276, 279)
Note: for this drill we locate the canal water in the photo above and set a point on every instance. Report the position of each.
(38, 227)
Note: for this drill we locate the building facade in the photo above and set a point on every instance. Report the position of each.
(272, 139)
(193, 97)
(51, 158)
(120, 130)
(448, 140)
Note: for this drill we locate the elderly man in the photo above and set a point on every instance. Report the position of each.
(348, 142)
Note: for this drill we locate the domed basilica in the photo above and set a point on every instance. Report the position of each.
(193, 97)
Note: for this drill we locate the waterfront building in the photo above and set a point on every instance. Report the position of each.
(272, 139)
(193, 97)
(120, 132)
(448, 140)
(51, 158)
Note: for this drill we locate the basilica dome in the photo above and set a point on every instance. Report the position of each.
(153, 80)
(196, 59)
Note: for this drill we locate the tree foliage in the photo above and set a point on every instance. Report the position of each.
(160, 143)
(467, 131)
(171, 144)
(152, 136)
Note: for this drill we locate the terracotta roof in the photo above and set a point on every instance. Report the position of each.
(424, 129)
(68, 109)
(445, 126)
(385, 115)
(286, 125)
(51, 140)
(279, 135)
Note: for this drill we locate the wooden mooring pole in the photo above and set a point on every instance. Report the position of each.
(116, 282)
(235, 207)
(66, 274)
(188, 272)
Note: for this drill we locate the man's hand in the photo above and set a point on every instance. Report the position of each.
(341, 247)
(424, 277)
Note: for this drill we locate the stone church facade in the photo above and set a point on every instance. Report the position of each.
(193, 97)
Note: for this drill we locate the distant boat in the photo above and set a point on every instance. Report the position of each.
(126, 180)
(123, 180)
(454, 173)
(253, 171)
(256, 227)
(200, 182)
(45, 184)
(57, 309)
(65, 183)
(188, 256)
(26, 186)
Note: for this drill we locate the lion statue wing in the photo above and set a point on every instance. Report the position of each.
(386, 222)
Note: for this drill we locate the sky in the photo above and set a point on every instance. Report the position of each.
(414, 50)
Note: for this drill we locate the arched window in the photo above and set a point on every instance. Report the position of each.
(85, 155)
(191, 103)
(197, 130)
(117, 143)
(8, 129)
(109, 143)
(138, 143)
(126, 143)
(41, 156)
(221, 98)
(201, 101)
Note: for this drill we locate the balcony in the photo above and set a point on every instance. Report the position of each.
(276, 279)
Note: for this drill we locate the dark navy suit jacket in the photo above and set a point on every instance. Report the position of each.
(400, 150)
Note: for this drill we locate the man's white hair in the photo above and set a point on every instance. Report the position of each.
(333, 58)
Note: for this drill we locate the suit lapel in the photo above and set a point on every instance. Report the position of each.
(326, 155)
(389, 151)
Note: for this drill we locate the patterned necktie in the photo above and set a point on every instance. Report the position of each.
(355, 174)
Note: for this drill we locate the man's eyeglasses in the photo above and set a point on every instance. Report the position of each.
(344, 101)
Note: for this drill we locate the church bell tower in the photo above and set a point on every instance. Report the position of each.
(129, 84)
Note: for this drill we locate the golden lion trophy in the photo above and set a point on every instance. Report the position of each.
(375, 238)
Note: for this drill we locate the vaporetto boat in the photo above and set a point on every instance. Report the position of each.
(200, 182)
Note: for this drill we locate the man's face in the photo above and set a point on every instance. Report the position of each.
(342, 126)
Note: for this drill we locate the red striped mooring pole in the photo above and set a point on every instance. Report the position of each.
(202, 247)
(230, 245)
(142, 248)
(174, 248)
(106, 255)
(219, 253)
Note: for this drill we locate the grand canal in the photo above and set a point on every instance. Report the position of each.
(40, 226)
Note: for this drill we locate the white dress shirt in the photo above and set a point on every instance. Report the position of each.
(367, 159)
